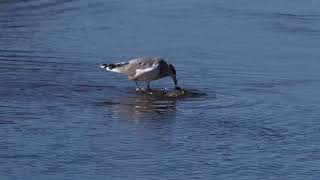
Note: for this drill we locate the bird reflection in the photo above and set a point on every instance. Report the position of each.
(143, 105)
(151, 104)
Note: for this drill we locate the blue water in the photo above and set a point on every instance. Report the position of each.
(254, 64)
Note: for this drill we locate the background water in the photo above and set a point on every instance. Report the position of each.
(62, 117)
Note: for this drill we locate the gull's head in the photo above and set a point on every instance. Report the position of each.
(172, 70)
(173, 74)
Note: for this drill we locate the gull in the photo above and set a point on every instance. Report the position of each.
(144, 69)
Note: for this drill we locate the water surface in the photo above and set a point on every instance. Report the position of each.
(253, 65)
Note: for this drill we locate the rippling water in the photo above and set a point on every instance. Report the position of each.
(252, 68)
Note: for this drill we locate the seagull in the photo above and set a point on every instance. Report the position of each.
(144, 69)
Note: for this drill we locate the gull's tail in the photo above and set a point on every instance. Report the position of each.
(117, 67)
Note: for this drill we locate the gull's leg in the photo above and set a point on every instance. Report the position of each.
(138, 88)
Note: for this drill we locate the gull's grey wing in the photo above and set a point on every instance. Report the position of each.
(147, 73)
(141, 64)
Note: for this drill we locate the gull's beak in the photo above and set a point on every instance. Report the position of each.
(174, 78)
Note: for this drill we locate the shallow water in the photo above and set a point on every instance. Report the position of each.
(252, 66)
